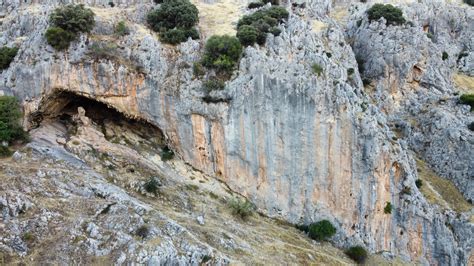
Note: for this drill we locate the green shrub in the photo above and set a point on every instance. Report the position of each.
(445, 56)
(5, 151)
(103, 50)
(247, 35)
(166, 154)
(321, 230)
(241, 208)
(67, 23)
(222, 53)
(58, 38)
(7, 55)
(174, 20)
(73, 18)
(142, 231)
(198, 69)
(469, 2)
(263, 22)
(388, 208)
(173, 14)
(275, 31)
(419, 183)
(350, 71)
(302, 227)
(10, 115)
(317, 69)
(121, 29)
(393, 15)
(253, 5)
(179, 35)
(273, 2)
(151, 185)
(213, 84)
(467, 99)
(471, 126)
(357, 253)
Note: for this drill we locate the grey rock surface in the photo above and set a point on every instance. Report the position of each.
(301, 146)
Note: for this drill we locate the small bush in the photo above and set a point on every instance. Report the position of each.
(241, 208)
(58, 38)
(393, 15)
(350, 71)
(152, 185)
(28, 237)
(166, 154)
(445, 56)
(275, 31)
(253, 5)
(317, 69)
(173, 14)
(471, 126)
(247, 35)
(469, 2)
(5, 152)
(7, 55)
(222, 53)
(175, 21)
(142, 231)
(357, 253)
(388, 208)
(419, 183)
(103, 50)
(302, 227)
(321, 230)
(67, 23)
(213, 84)
(406, 190)
(467, 99)
(10, 115)
(273, 2)
(176, 36)
(263, 22)
(198, 69)
(73, 18)
(121, 29)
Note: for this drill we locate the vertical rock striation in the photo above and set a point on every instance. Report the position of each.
(302, 146)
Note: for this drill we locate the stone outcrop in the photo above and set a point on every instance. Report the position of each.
(301, 146)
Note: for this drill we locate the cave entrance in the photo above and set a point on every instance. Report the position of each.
(63, 105)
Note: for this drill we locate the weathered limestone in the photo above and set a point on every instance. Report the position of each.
(301, 146)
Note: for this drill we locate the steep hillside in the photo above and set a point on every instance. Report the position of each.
(336, 117)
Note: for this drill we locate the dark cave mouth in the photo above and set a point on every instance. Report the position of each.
(63, 105)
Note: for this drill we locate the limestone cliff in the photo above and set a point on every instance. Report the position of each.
(301, 146)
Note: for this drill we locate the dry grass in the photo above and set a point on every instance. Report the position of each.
(318, 26)
(465, 83)
(440, 191)
(219, 18)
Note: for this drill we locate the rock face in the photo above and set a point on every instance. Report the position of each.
(301, 146)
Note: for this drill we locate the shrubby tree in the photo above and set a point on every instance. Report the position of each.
(222, 53)
(321, 230)
(393, 15)
(67, 22)
(174, 20)
(73, 18)
(357, 253)
(7, 54)
(58, 38)
(262, 22)
(10, 115)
